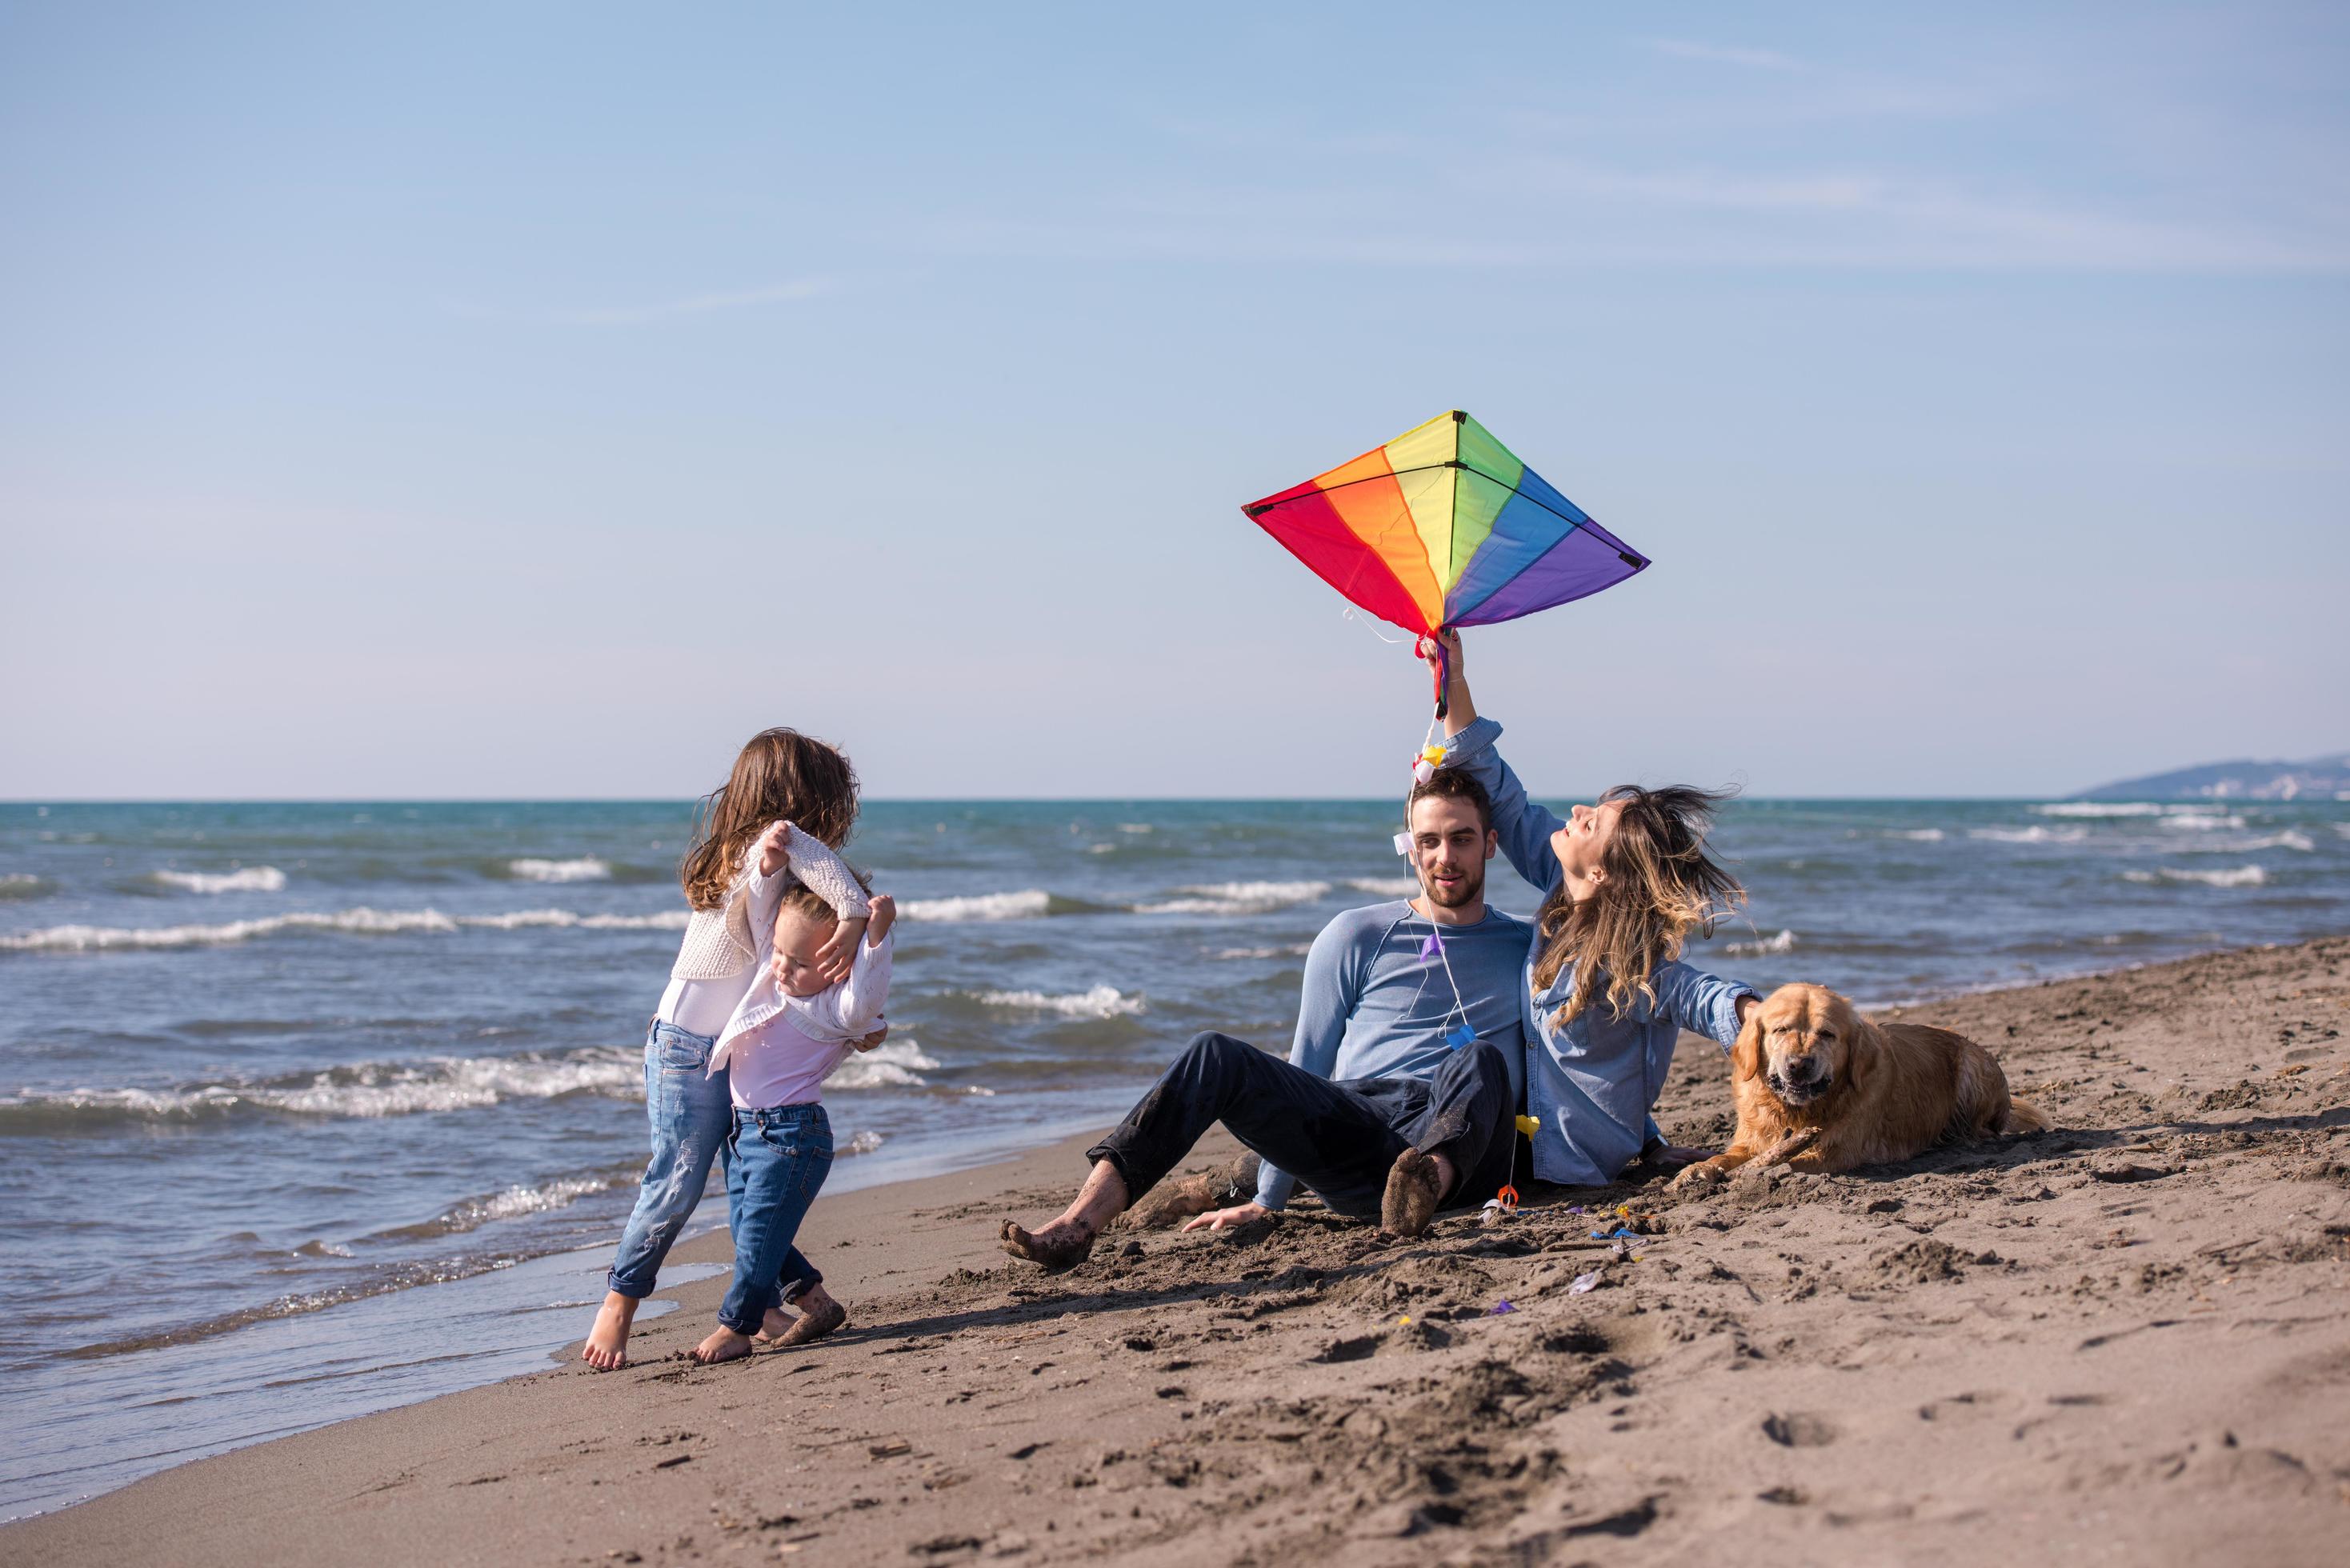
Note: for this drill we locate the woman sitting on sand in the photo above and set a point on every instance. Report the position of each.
(1605, 995)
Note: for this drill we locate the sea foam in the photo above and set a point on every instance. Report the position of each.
(1290, 950)
(1385, 886)
(367, 1091)
(2235, 876)
(1028, 904)
(2033, 835)
(1235, 898)
(1784, 942)
(1101, 1001)
(2099, 808)
(250, 880)
(356, 922)
(586, 869)
(892, 1065)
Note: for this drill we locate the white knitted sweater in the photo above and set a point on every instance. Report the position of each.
(729, 939)
(720, 957)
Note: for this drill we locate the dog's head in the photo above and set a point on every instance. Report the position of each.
(1803, 1040)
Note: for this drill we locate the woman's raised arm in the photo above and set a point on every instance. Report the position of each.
(1524, 829)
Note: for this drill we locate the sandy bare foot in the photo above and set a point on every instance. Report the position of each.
(1673, 1156)
(813, 1323)
(1172, 1203)
(1413, 1190)
(607, 1349)
(1058, 1247)
(723, 1344)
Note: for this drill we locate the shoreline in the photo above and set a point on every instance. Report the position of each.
(2156, 1073)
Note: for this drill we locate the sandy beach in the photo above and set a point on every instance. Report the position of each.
(2125, 1339)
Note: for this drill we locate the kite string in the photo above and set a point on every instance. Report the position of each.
(1459, 1007)
(1348, 613)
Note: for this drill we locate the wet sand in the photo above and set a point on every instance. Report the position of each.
(2125, 1338)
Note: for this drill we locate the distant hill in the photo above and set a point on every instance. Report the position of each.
(2320, 778)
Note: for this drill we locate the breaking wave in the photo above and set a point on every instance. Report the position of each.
(1235, 898)
(2033, 835)
(2235, 876)
(586, 869)
(892, 1065)
(1028, 904)
(1101, 1001)
(1290, 950)
(1385, 886)
(251, 879)
(21, 885)
(2098, 808)
(356, 922)
(1784, 942)
(365, 1091)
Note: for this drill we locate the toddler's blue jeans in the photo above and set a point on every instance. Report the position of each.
(776, 1159)
(693, 1122)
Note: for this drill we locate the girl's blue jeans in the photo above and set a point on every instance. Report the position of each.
(776, 1160)
(692, 1121)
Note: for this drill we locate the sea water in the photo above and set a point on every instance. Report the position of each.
(311, 1109)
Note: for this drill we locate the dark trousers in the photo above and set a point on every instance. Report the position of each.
(1337, 1137)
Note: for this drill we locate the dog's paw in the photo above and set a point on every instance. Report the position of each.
(1701, 1175)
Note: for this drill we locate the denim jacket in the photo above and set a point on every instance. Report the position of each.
(1591, 1084)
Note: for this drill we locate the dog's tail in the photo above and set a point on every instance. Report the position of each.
(2023, 1116)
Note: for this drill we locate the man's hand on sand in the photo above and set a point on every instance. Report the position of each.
(1216, 1219)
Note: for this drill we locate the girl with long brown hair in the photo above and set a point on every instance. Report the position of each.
(1629, 881)
(787, 805)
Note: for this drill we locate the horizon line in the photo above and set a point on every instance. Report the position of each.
(2047, 797)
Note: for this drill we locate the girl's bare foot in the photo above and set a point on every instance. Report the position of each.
(813, 1323)
(723, 1344)
(819, 1315)
(1059, 1247)
(607, 1343)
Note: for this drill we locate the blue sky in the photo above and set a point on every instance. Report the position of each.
(534, 401)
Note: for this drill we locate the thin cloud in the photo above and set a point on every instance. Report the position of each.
(1725, 55)
(696, 304)
(1889, 221)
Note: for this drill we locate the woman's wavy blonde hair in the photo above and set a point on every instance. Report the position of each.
(1660, 886)
(780, 775)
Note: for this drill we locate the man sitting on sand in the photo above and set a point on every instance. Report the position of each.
(1379, 1109)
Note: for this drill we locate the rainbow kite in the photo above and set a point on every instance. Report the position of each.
(1444, 527)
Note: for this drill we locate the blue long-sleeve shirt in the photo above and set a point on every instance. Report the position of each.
(1591, 1084)
(1372, 1008)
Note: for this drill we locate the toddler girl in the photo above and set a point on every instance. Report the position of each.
(787, 1039)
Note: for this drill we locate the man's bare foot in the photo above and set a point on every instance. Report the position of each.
(1673, 1156)
(1172, 1202)
(723, 1344)
(816, 1319)
(1415, 1185)
(607, 1343)
(1058, 1247)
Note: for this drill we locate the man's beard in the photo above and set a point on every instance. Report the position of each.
(1467, 890)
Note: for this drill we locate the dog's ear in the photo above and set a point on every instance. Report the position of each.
(1746, 1056)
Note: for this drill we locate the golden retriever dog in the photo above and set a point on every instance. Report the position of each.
(1823, 1088)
